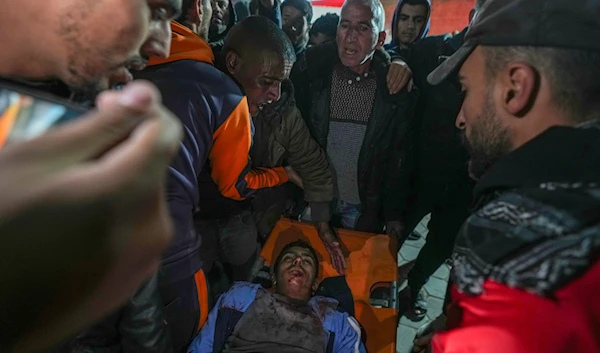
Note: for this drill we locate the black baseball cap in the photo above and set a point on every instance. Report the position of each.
(569, 24)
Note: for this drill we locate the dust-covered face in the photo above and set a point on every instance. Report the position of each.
(296, 274)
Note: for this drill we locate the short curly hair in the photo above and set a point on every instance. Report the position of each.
(297, 244)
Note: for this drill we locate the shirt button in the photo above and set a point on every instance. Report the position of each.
(349, 82)
(358, 79)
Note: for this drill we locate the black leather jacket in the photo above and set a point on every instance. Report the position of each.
(388, 142)
(138, 326)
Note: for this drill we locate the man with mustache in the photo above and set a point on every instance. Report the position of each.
(526, 261)
(79, 202)
(409, 25)
(252, 319)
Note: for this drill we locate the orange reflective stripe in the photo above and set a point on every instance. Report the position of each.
(7, 120)
(202, 290)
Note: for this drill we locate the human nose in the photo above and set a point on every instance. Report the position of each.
(158, 43)
(460, 122)
(274, 92)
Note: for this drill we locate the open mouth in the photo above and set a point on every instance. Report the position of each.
(262, 105)
(296, 277)
(350, 52)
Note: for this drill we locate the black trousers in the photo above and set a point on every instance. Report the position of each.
(182, 309)
(448, 203)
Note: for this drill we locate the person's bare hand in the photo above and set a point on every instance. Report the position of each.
(423, 344)
(83, 214)
(399, 76)
(394, 228)
(293, 177)
(332, 244)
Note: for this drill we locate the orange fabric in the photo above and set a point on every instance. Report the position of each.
(371, 261)
(186, 45)
(202, 290)
(7, 120)
(229, 157)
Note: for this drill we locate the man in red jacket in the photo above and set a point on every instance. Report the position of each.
(526, 264)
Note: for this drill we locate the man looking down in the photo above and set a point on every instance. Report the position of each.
(249, 318)
(217, 125)
(526, 262)
(259, 56)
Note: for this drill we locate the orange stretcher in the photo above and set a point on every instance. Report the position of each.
(372, 265)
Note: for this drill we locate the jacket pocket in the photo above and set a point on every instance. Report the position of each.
(277, 154)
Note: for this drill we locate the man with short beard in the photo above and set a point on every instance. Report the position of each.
(410, 24)
(526, 262)
(78, 203)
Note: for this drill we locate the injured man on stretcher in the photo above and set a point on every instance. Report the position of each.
(249, 318)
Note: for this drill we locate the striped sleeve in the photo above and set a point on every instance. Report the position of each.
(231, 168)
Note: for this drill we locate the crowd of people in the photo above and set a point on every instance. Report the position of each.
(207, 121)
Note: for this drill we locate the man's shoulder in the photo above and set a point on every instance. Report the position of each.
(240, 295)
(433, 46)
(533, 238)
(326, 308)
(195, 76)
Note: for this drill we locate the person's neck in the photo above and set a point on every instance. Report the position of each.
(21, 56)
(362, 68)
(535, 127)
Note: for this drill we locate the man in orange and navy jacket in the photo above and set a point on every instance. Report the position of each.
(218, 129)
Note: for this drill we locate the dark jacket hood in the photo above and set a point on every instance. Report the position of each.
(425, 30)
(214, 37)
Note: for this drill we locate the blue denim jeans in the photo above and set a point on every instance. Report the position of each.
(347, 212)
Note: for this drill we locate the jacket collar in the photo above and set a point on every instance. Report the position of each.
(561, 154)
(319, 69)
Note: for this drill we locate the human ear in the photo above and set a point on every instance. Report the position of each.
(232, 62)
(519, 87)
(380, 40)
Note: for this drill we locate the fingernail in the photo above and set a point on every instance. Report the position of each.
(134, 97)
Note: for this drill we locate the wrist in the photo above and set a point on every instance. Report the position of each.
(323, 227)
